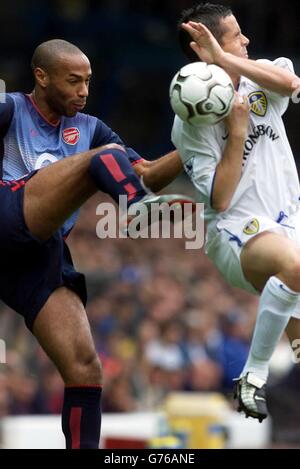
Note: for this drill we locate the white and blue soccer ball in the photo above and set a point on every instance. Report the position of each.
(201, 94)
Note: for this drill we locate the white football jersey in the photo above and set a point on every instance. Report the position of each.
(269, 183)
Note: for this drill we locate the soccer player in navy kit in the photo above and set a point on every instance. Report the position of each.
(38, 202)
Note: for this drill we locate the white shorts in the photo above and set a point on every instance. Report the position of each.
(226, 239)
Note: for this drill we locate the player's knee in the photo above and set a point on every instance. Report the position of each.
(293, 274)
(111, 146)
(91, 369)
(94, 370)
(109, 166)
(86, 369)
(108, 157)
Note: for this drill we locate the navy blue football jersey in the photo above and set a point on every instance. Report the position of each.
(28, 141)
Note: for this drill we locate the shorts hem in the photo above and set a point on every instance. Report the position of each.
(31, 316)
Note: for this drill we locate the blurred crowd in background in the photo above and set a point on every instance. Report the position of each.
(162, 317)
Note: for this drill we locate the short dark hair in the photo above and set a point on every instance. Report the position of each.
(210, 15)
(46, 54)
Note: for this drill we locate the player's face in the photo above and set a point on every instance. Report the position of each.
(68, 86)
(233, 40)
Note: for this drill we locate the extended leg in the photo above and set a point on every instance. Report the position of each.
(56, 191)
(63, 331)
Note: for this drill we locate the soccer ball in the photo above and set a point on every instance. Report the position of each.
(201, 94)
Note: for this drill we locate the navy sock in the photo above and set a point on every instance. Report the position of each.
(81, 417)
(112, 173)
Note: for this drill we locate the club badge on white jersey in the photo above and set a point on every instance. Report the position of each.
(258, 103)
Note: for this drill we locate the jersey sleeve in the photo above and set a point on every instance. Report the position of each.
(200, 154)
(281, 102)
(7, 108)
(104, 135)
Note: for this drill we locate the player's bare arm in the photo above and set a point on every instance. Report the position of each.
(209, 50)
(161, 172)
(229, 170)
(268, 76)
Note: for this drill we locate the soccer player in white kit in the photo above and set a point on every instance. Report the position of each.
(244, 171)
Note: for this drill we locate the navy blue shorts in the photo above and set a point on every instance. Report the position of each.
(30, 270)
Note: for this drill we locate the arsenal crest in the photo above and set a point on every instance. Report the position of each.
(258, 103)
(71, 135)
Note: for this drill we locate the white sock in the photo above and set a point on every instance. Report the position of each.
(276, 306)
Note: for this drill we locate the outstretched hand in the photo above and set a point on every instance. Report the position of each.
(204, 44)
